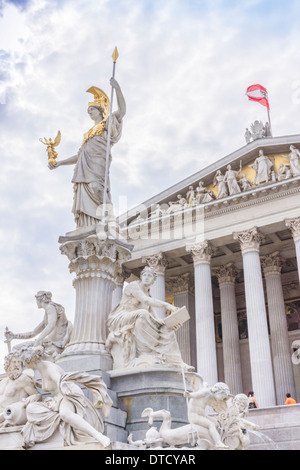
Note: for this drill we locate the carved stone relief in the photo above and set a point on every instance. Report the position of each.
(231, 181)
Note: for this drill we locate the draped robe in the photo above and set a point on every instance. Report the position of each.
(143, 338)
(43, 418)
(89, 174)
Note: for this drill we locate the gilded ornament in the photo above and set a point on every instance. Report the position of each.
(52, 154)
(102, 101)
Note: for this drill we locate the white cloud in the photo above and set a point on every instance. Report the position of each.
(183, 67)
(13, 29)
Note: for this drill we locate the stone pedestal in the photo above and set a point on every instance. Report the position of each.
(11, 439)
(97, 260)
(157, 388)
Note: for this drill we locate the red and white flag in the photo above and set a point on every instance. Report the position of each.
(258, 93)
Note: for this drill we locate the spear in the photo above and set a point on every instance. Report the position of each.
(115, 56)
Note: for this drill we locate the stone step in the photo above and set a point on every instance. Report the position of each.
(279, 425)
(277, 437)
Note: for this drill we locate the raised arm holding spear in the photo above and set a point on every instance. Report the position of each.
(92, 162)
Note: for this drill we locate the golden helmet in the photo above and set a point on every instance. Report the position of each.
(100, 99)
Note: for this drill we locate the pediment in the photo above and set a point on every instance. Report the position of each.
(243, 161)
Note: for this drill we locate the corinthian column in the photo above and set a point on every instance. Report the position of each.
(96, 263)
(294, 226)
(230, 333)
(179, 288)
(283, 369)
(204, 313)
(158, 291)
(259, 344)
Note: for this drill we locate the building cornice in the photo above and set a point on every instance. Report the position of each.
(244, 154)
(255, 196)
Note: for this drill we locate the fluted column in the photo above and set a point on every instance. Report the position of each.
(259, 344)
(178, 287)
(283, 369)
(230, 333)
(294, 226)
(204, 313)
(158, 291)
(96, 263)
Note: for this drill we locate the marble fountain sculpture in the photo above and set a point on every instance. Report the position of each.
(226, 429)
(47, 374)
(137, 337)
(39, 394)
(32, 372)
(137, 340)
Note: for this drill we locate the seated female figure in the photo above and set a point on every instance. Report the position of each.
(137, 337)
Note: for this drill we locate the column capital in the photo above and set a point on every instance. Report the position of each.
(294, 226)
(271, 263)
(178, 284)
(94, 257)
(250, 240)
(226, 274)
(158, 262)
(201, 252)
(121, 277)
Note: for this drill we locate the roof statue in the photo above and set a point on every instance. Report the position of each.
(227, 181)
(294, 160)
(258, 131)
(263, 167)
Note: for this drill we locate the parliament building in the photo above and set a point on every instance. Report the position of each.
(225, 243)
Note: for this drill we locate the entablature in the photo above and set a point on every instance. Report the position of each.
(257, 165)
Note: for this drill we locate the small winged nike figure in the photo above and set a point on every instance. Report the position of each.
(52, 154)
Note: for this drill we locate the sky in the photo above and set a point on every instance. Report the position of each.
(184, 68)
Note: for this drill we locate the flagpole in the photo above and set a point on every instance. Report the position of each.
(269, 118)
(259, 93)
(115, 55)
